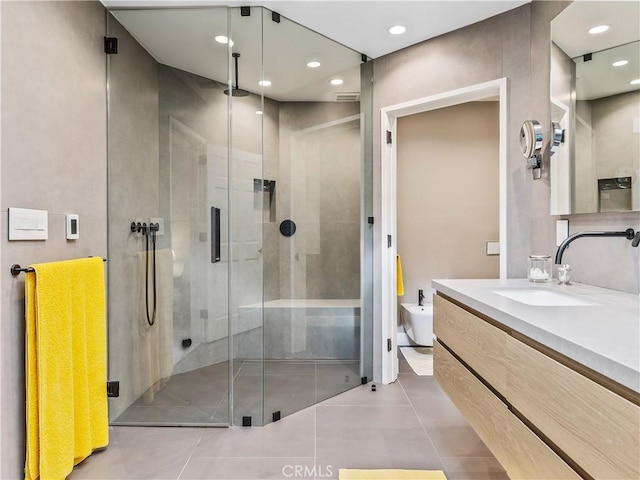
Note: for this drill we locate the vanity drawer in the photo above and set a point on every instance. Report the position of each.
(479, 344)
(521, 453)
(596, 428)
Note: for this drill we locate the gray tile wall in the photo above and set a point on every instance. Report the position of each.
(319, 188)
(605, 262)
(513, 45)
(53, 158)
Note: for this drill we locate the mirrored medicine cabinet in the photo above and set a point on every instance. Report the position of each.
(595, 97)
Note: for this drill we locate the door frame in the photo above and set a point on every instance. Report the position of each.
(386, 284)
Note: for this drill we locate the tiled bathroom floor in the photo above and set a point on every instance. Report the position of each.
(408, 424)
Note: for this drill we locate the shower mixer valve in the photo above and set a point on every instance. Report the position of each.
(139, 227)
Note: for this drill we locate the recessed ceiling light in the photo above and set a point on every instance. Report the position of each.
(258, 112)
(397, 29)
(313, 64)
(635, 82)
(620, 63)
(598, 29)
(264, 83)
(223, 39)
(337, 81)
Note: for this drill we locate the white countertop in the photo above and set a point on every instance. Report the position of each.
(604, 336)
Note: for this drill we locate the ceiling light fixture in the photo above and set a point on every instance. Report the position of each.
(397, 29)
(598, 29)
(313, 64)
(258, 112)
(620, 63)
(264, 83)
(635, 82)
(336, 81)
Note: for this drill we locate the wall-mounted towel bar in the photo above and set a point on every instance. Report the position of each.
(16, 269)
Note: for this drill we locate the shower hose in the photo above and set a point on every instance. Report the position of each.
(150, 232)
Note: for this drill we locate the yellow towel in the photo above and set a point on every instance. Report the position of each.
(66, 366)
(400, 282)
(346, 474)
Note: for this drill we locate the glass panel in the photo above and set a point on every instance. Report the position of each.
(246, 205)
(168, 164)
(313, 155)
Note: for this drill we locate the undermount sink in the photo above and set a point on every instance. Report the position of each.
(542, 298)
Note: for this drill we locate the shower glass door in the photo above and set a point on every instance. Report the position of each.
(312, 217)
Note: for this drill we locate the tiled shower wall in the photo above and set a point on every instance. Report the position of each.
(319, 188)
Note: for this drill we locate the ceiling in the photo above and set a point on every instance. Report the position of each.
(278, 52)
(597, 78)
(362, 25)
(182, 37)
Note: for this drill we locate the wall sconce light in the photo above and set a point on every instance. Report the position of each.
(531, 138)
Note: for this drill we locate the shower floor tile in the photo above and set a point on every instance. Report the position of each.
(201, 396)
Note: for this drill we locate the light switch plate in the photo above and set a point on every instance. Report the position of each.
(28, 224)
(562, 231)
(493, 248)
(72, 226)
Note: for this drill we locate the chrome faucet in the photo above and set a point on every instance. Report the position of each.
(629, 234)
(420, 298)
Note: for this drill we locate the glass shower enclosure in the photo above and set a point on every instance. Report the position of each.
(238, 194)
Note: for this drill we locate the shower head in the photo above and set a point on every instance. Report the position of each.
(236, 91)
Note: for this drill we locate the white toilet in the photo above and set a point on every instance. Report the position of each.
(417, 321)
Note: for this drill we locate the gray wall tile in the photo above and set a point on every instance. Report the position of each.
(53, 158)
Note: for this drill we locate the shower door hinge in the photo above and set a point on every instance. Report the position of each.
(113, 389)
(389, 346)
(388, 137)
(111, 45)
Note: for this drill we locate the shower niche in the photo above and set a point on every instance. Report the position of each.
(233, 134)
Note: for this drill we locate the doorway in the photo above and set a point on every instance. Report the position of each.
(389, 215)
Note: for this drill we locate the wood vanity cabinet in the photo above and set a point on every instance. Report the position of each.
(542, 415)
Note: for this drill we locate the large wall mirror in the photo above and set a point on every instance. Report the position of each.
(595, 96)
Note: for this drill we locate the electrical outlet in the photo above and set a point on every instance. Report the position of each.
(562, 231)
